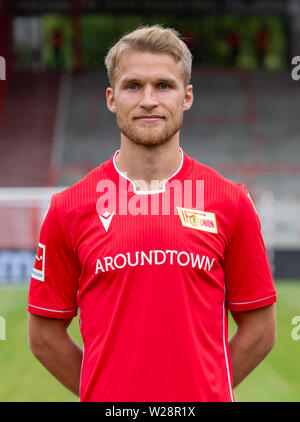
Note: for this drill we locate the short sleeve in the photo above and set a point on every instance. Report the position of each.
(248, 277)
(54, 280)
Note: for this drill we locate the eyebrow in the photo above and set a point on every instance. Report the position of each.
(128, 81)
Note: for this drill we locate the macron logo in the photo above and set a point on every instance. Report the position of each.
(106, 219)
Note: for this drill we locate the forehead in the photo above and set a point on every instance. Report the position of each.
(146, 65)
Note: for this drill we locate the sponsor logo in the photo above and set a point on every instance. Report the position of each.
(106, 219)
(38, 271)
(199, 220)
(154, 257)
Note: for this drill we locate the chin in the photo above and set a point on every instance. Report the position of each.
(149, 139)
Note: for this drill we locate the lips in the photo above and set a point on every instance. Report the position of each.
(149, 118)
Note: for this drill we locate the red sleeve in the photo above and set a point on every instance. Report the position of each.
(53, 285)
(248, 277)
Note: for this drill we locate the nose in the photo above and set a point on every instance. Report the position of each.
(149, 99)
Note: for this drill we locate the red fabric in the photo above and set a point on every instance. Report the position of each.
(153, 294)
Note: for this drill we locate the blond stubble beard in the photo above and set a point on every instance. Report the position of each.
(149, 136)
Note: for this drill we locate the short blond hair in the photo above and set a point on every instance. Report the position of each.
(154, 39)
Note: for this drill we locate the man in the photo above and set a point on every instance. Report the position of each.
(152, 274)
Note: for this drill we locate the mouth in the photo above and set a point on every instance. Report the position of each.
(149, 118)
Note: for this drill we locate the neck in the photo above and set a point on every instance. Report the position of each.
(148, 166)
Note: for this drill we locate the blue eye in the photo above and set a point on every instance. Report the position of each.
(163, 85)
(132, 87)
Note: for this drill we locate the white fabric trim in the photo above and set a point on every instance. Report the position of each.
(225, 352)
(51, 310)
(147, 192)
(252, 301)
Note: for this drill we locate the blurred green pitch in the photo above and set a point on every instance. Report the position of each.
(23, 379)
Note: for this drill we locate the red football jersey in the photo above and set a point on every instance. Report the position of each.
(153, 274)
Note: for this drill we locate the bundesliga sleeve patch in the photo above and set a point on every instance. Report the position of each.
(38, 271)
(199, 220)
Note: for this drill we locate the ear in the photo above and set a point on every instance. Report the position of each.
(188, 97)
(110, 100)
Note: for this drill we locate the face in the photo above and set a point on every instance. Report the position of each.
(149, 97)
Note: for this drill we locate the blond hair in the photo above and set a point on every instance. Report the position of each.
(154, 39)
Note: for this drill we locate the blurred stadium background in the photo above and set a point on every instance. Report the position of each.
(55, 127)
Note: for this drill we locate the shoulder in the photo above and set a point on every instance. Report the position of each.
(215, 182)
(81, 193)
(229, 200)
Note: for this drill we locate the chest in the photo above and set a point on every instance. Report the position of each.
(154, 239)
